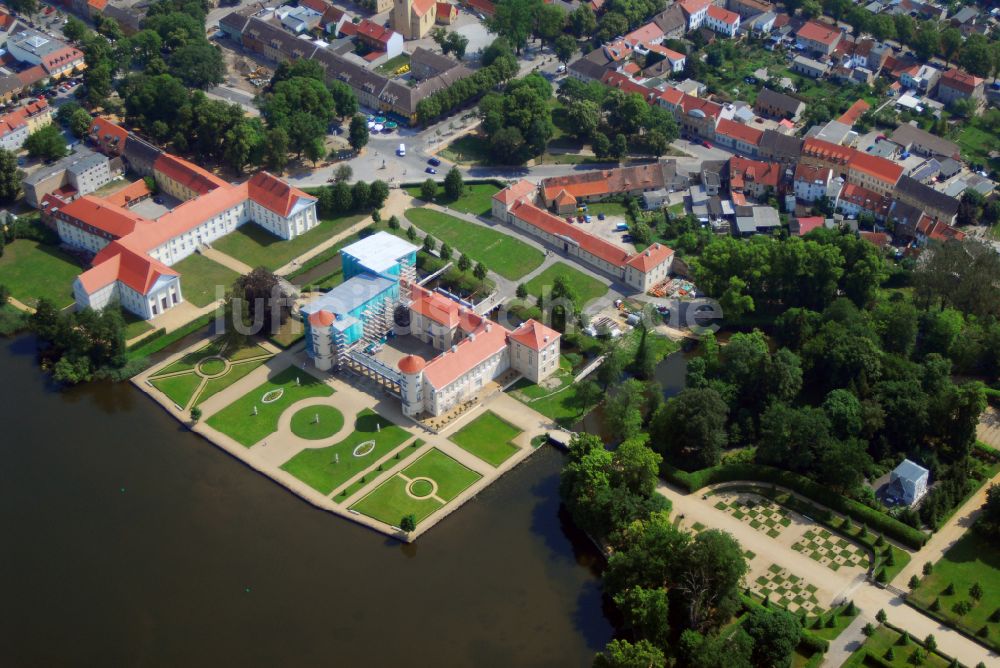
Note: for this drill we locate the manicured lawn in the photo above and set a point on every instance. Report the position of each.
(190, 361)
(33, 271)
(237, 371)
(976, 143)
(879, 643)
(501, 253)
(400, 457)
(238, 421)
(489, 438)
(257, 247)
(201, 279)
(467, 150)
(556, 400)
(325, 469)
(477, 198)
(607, 208)
(134, 325)
(390, 66)
(451, 476)
(179, 389)
(972, 559)
(390, 503)
(305, 424)
(585, 286)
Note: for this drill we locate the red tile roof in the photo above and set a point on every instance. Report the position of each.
(129, 194)
(650, 258)
(818, 32)
(669, 54)
(851, 116)
(643, 34)
(724, 15)
(937, 231)
(884, 170)
(437, 307)
(808, 224)
(689, 103)
(622, 82)
(116, 262)
(764, 173)
(554, 225)
(187, 174)
(101, 215)
(694, 6)
(534, 334)
(827, 151)
(519, 190)
(421, 7)
(811, 173)
(865, 199)
(321, 318)
(374, 32)
(274, 194)
(411, 364)
(880, 239)
(487, 7)
(61, 58)
(960, 80)
(743, 133)
(104, 131)
(471, 351)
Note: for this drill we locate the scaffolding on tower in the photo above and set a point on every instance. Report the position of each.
(377, 320)
(407, 278)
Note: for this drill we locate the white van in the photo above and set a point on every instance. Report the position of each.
(402, 149)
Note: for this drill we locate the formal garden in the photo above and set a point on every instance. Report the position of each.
(963, 589)
(255, 415)
(324, 469)
(888, 647)
(489, 437)
(786, 590)
(761, 514)
(418, 490)
(201, 374)
(830, 550)
(502, 253)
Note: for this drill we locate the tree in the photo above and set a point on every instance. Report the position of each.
(880, 616)
(195, 414)
(951, 39)
(276, 150)
(408, 523)
(582, 21)
(428, 190)
(10, 176)
(444, 252)
(454, 186)
(429, 243)
(914, 582)
(645, 611)
(930, 642)
(513, 20)
(690, 429)
(358, 133)
(79, 122)
(464, 263)
(976, 591)
(624, 409)
(378, 193)
(258, 302)
(564, 47)
(411, 233)
(623, 654)
(199, 64)
(479, 272)
(393, 222)
(709, 575)
(75, 29)
(522, 291)
(927, 41)
(46, 143)
(343, 173)
(775, 633)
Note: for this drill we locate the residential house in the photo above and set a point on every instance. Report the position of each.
(332, 18)
(811, 182)
(855, 201)
(300, 19)
(754, 178)
(956, 84)
(934, 204)
(809, 67)
(695, 11)
(914, 140)
(110, 138)
(592, 66)
(672, 22)
(932, 230)
(920, 77)
(773, 104)
(909, 481)
(17, 125)
(675, 62)
(803, 225)
(756, 220)
(876, 174)
(644, 35)
(738, 137)
(818, 37)
(563, 194)
(748, 8)
(379, 38)
(446, 13)
(761, 24)
(779, 147)
(722, 21)
(854, 112)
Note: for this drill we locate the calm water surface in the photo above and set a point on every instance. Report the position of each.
(128, 541)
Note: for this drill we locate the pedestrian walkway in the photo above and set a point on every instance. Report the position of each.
(239, 267)
(847, 643)
(19, 305)
(319, 248)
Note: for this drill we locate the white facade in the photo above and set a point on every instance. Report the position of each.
(810, 190)
(535, 365)
(164, 295)
(723, 22)
(91, 175)
(14, 139)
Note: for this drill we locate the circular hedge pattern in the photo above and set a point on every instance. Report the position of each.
(304, 423)
(212, 366)
(421, 488)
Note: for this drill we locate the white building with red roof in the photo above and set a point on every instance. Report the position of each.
(722, 21)
(695, 11)
(128, 245)
(18, 124)
(956, 84)
(818, 37)
(516, 206)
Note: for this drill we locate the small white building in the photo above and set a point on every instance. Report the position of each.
(910, 479)
(722, 21)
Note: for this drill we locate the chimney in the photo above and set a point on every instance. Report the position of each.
(454, 349)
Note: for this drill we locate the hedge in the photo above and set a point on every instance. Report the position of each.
(154, 343)
(808, 642)
(873, 519)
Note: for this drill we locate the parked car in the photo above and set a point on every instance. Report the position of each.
(707, 144)
(600, 216)
(431, 170)
(434, 162)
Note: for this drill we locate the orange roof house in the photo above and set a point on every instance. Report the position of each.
(446, 13)
(534, 334)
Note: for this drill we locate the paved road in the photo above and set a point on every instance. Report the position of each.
(234, 95)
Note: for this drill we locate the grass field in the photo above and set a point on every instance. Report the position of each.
(134, 325)
(390, 66)
(325, 469)
(235, 373)
(451, 476)
(33, 271)
(467, 150)
(972, 559)
(238, 421)
(607, 208)
(477, 198)
(243, 360)
(390, 503)
(557, 401)
(190, 361)
(501, 253)
(179, 389)
(489, 438)
(304, 422)
(878, 645)
(201, 277)
(257, 247)
(976, 143)
(586, 287)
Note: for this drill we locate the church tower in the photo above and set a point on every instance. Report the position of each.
(402, 11)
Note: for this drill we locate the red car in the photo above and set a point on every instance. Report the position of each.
(569, 219)
(707, 144)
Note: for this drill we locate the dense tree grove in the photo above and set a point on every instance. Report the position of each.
(615, 122)
(79, 346)
(499, 65)
(518, 121)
